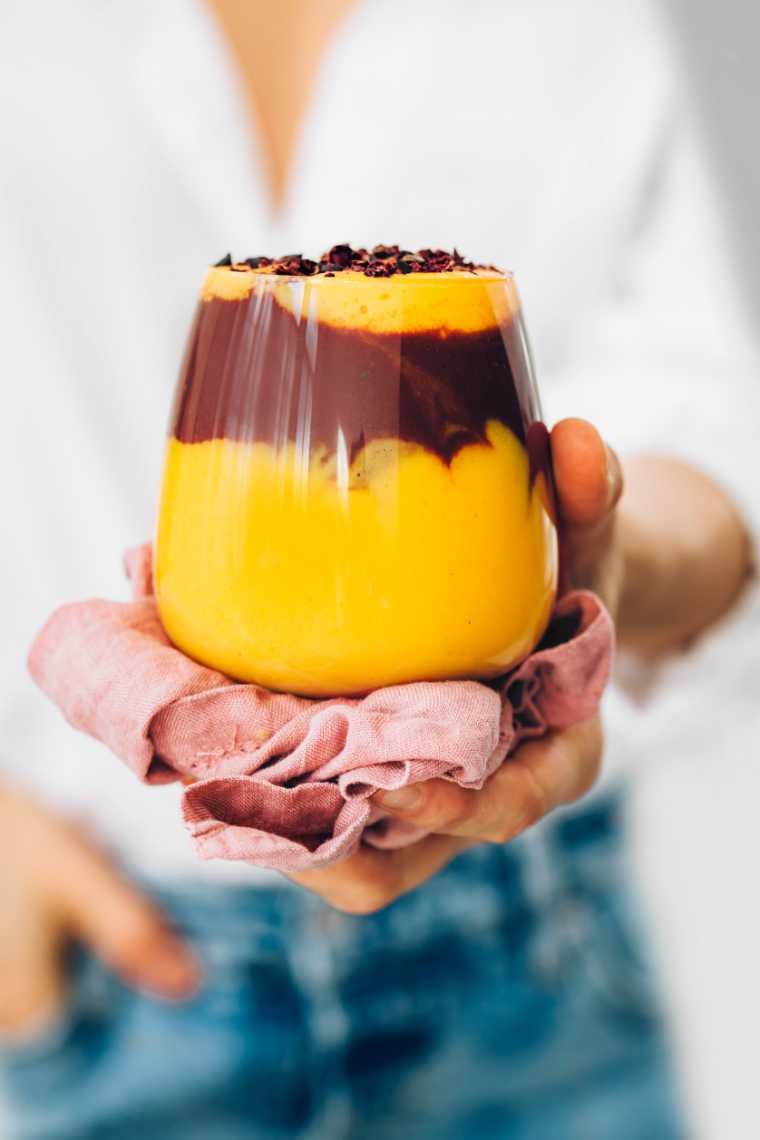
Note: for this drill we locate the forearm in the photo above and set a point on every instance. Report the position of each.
(686, 554)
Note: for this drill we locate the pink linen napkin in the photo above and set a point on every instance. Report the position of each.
(283, 781)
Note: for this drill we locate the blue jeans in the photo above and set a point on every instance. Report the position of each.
(505, 999)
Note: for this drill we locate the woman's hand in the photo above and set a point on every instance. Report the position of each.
(542, 774)
(668, 557)
(55, 887)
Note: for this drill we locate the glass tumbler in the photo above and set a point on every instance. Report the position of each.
(357, 487)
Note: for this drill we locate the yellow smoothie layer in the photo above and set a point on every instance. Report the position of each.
(458, 301)
(317, 578)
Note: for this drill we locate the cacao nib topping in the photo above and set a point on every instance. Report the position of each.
(378, 268)
(339, 255)
(380, 261)
(381, 252)
(294, 265)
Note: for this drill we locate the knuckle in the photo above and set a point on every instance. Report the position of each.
(502, 832)
(365, 902)
(368, 895)
(452, 808)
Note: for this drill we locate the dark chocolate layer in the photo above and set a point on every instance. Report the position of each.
(253, 372)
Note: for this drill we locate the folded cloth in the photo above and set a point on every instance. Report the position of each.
(283, 781)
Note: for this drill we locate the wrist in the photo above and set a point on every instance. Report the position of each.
(684, 555)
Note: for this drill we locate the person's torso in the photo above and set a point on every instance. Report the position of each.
(521, 133)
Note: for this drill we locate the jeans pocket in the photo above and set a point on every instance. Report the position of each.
(45, 1074)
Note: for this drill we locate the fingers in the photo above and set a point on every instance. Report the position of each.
(539, 777)
(123, 928)
(370, 880)
(587, 473)
(362, 884)
(31, 983)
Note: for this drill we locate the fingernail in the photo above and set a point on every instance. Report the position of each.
(614, 476)
(401, 799)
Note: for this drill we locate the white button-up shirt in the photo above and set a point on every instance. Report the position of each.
(545, 137)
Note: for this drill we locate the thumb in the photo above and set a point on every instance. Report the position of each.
(587, 473)
(123, 928)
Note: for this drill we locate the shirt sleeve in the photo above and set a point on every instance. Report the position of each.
(667, 361)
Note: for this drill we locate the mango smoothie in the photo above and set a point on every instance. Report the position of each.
(357, 486)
